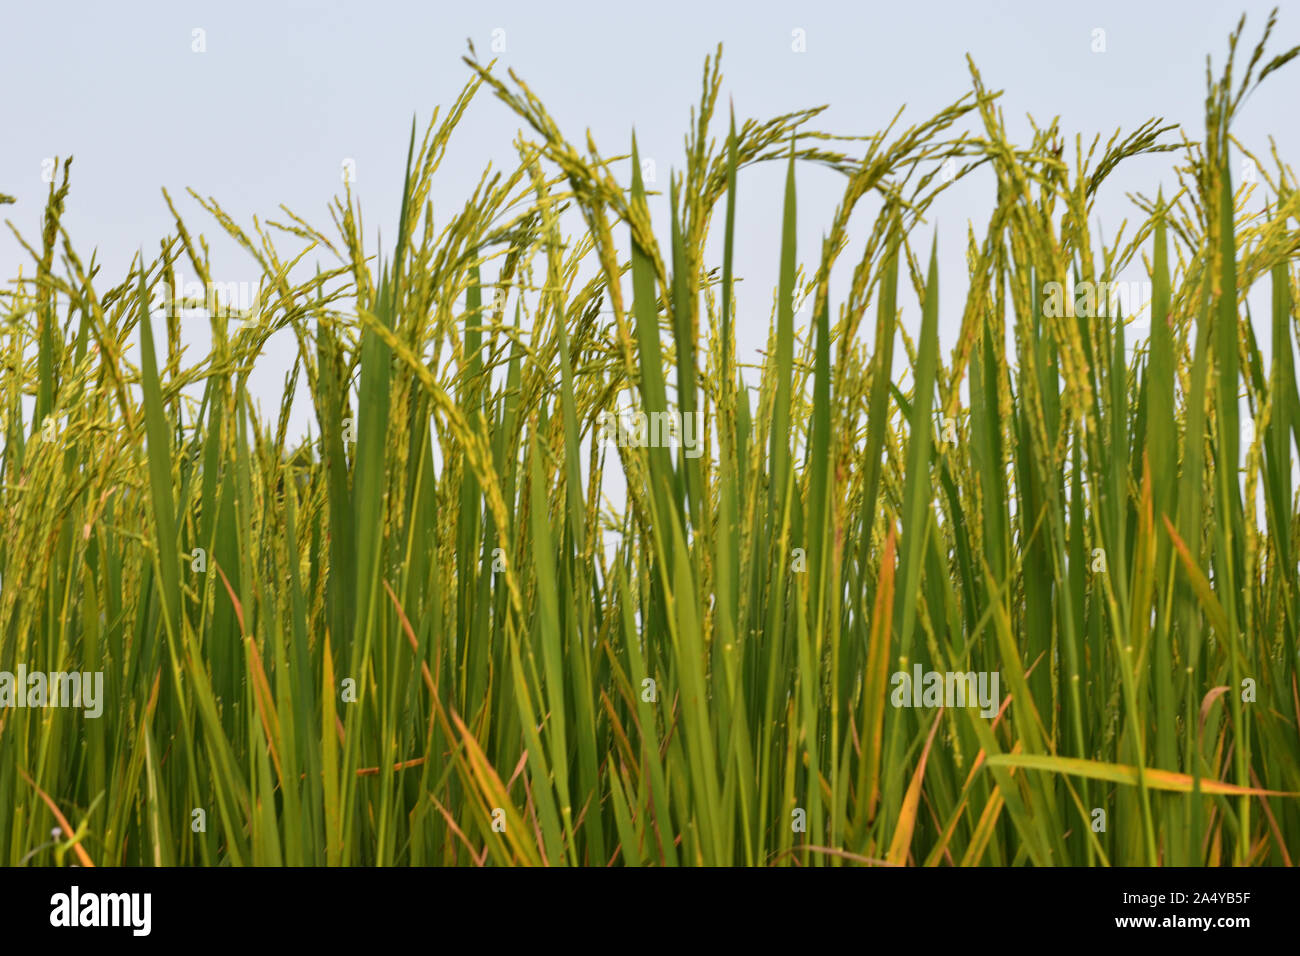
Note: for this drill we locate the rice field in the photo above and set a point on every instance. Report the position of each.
(559, 577)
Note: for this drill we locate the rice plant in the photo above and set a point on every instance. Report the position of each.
(1033, 602)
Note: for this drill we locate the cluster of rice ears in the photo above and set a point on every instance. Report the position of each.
(427, 635)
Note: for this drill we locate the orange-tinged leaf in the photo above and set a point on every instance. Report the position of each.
(911, 803)
(1121, 773)
(1200, 584)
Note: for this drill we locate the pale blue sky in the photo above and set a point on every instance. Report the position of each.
(286, 90)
